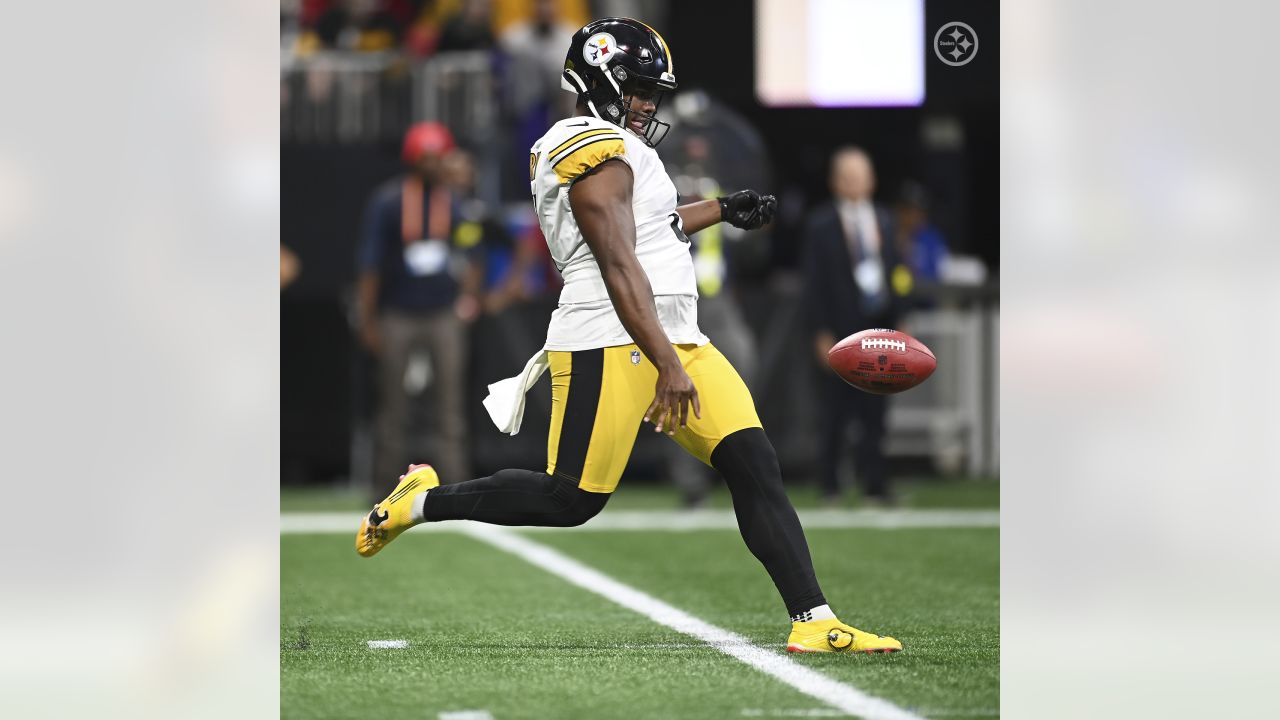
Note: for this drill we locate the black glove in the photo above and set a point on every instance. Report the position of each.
(748, 209)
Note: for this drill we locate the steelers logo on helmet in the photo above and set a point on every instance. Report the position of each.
(599, 48)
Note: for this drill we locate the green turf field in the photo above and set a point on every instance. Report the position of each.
(489, 632)
(914, 493)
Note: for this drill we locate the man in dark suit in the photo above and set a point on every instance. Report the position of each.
(849, 259)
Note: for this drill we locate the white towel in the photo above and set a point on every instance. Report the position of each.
(505, 401)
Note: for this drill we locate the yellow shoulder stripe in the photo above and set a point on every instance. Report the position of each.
(580, 136)
(588, 156)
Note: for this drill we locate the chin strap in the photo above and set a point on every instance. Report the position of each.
(611, 106)
(605, 106)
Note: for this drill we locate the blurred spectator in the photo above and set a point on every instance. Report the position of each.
(575, 13)
(322, 23)
(470, 29)
(719, 315)
(527, 273)
(537, 49)
(479, 228)
(422, 36)
(711, 150)
(542, 39)
(920, 244)
(361, 25)
(366, 25)
(711, 139)
(416, 290)
(849, 257)
(290, 267)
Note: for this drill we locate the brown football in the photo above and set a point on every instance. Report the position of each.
(882, 361)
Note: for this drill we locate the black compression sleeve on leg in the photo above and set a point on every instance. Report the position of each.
(515, 497)
(766, 518)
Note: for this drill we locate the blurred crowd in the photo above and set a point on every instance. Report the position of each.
(433, 257)
(435, 253)
(422, 28)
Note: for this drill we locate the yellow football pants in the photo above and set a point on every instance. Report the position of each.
(598, 400)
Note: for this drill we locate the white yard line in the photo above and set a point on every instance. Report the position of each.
(832, 712)
(810, 682)
(686, 521)
(793, 712)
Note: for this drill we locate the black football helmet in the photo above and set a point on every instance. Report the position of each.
(613, 59)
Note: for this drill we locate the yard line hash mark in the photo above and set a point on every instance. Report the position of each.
(466, 715)
(388, 644)
(808, 681)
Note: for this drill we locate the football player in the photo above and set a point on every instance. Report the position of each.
(624, 346)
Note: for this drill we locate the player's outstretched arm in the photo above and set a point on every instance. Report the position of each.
(699, 215)
(601, 203)
(746, 209)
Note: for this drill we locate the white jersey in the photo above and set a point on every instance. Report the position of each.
(585, 318)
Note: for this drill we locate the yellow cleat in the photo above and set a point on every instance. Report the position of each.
(834, 636)
(391, 517)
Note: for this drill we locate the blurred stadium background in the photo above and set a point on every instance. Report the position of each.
(356, 74)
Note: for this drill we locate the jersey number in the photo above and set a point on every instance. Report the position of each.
(675, 228)
(533, 166)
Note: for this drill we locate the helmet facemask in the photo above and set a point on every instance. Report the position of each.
(627, 102)
(637, 92)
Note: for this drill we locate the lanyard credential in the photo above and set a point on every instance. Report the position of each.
(440, 214)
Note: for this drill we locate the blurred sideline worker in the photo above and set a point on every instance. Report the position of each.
(921, 247)
(529, 275)
(478, 227)
(849, 260)
(415, 291)
(624, 345)
(718, 312)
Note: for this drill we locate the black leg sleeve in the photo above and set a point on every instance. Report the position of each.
(515, 497)
(766, 518)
